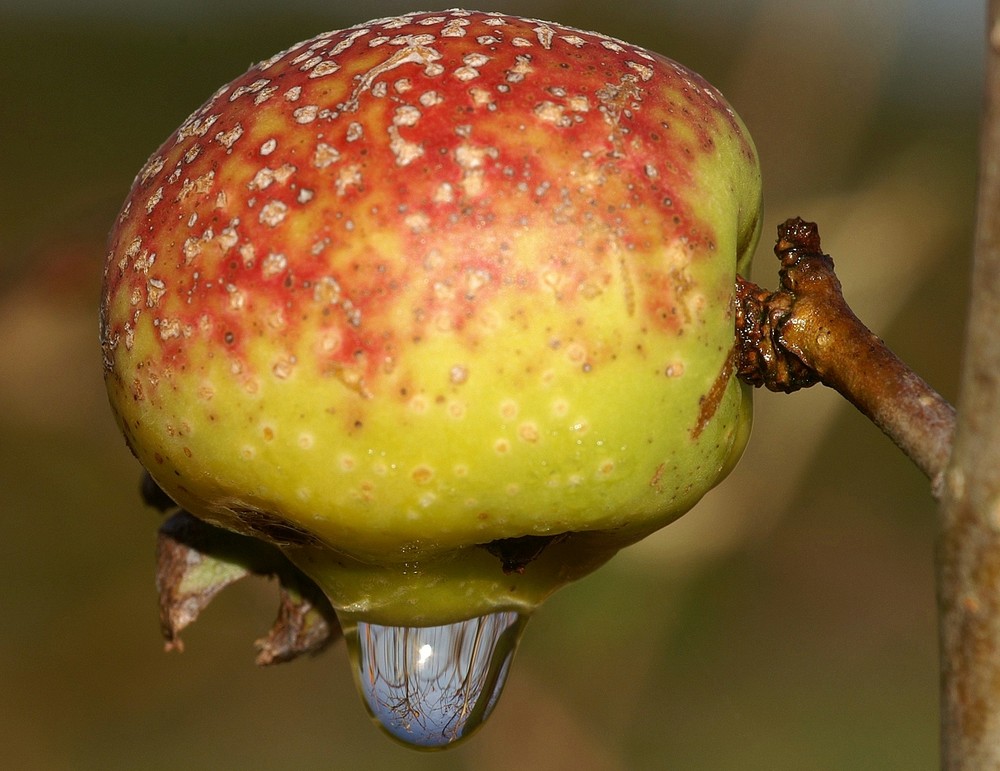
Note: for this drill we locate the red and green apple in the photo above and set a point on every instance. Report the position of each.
(442, 305)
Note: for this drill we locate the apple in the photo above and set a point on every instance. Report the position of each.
(441, 305)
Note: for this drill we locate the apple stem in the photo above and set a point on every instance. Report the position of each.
(805, 333)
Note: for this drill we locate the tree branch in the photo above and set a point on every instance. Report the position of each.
(806, 333)
(969, 546)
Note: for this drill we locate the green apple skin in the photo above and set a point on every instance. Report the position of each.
(430, 282)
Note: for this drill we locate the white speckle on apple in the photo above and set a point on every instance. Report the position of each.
(476, 60)
(481, 97)
(418, 222)
(273, 212)
(265, 94)
(144, 262)
(272, 265)
(229, 138)
(550, 112)
(466, 73)
(407, 115)
(406, 152)
(308, 58)
(306, 114)
(445, 193)
(545, 35)
(455, 28)
(155, 289)
(169, 329)
(348, 41)
(154, 199)
(153, 167)
(430, 99)
(348, 177)
(324, 68)
(283, 368)
(324, 155)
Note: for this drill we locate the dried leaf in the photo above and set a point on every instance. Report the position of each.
(196, 561)
(301, 627)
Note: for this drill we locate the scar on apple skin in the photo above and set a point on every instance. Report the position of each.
(710, 401)
(272, 528)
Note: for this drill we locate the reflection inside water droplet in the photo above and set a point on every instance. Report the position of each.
(428, 687)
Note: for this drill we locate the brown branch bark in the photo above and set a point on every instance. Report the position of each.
(969, 546)
(805, 332)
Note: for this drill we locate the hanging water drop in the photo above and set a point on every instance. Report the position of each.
(429, 687)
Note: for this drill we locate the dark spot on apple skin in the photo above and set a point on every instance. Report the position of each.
(515, 554)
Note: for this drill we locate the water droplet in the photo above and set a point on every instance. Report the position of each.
(429, 687)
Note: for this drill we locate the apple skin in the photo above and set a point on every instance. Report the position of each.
(431, 282)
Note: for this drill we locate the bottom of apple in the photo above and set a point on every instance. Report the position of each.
(430, 687)
(515, 574)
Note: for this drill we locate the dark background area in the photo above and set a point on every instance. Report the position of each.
(788, 622)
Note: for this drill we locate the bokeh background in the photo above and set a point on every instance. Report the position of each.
(787, 623)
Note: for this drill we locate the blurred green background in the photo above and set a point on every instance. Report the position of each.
(787, 623)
